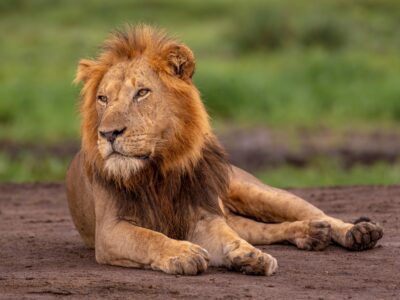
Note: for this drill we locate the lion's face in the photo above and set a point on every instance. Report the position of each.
(136, 116)
(140, 106)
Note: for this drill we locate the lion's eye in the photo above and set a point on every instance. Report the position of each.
(141, 93)
(103, 99)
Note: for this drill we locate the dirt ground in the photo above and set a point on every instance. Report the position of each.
(42, 256)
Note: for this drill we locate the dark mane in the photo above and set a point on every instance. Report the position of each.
(169, 203)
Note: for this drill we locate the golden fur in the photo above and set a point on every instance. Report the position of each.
(165, 56)
(151, 187)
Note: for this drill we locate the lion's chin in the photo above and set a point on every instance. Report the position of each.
(119, 166)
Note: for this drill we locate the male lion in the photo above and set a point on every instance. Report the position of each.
(151, 186)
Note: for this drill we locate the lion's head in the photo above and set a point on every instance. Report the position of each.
(139, 105)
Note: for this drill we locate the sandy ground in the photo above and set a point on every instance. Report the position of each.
(42, 256)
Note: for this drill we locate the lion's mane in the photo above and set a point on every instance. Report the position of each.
(193, 173)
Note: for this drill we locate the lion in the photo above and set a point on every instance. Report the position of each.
(151, 186)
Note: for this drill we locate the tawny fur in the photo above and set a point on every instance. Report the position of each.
(160, 194)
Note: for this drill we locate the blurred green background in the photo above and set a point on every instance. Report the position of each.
(286, 66)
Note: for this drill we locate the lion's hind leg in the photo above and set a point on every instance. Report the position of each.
(306, 235)
(250, 197)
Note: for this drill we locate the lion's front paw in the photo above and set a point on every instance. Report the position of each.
(317, 236)
(363, 236)
(183, 258)
(251, 261)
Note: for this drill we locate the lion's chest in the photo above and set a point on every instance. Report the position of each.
(172, 216)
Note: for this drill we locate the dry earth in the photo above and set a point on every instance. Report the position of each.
(42, 256)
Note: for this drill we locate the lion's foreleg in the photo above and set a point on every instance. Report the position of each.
(118, 242)
(227, 249)
(126, 245)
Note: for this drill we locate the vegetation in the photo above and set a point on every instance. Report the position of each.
(27, 168)
(330, 173)
(283, 64)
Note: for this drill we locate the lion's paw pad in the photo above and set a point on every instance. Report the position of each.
(363, 236)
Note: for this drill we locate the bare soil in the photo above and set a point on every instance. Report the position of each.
(42, 256)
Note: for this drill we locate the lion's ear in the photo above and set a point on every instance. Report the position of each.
(181, 61)
(85, 68)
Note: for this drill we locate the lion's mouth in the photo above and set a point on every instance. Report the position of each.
(143, 156)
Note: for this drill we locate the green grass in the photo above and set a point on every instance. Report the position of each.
(329, 173)
(304, 89)
(305, 80)
(284, 64)
(27, 168)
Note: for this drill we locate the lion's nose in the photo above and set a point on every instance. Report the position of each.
(112, 135)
